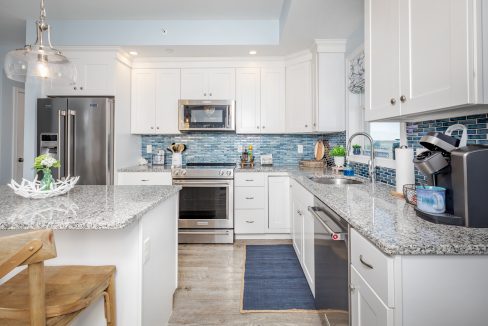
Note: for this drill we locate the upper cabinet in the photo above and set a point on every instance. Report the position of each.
(155, 95)
(208, 84)
(299, 104)
(248, 100)
(273, 100)
(95, 75)
(422, 56)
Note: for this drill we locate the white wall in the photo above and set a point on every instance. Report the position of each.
(6, 121)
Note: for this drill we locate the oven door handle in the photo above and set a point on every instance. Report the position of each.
(201, 183)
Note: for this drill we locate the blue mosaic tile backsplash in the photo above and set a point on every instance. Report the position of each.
(223, 147)
(477, 132)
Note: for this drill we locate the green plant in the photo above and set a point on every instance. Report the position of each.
(356, 146)
(46, 161)
(338, 151)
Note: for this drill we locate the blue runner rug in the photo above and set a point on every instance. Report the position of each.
(274, 280)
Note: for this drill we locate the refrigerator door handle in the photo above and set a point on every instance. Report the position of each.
(70, 140)
(61, 115)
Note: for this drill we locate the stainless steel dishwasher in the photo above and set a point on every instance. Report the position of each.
(331, 259)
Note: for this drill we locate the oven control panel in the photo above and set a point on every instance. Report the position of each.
(202, 173)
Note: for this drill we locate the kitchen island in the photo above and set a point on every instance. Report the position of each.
(131, 227)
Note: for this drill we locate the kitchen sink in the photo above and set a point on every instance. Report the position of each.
(335, 181)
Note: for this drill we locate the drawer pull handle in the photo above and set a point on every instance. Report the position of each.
(249, 198)
(249, 180)
(249, 222)
(144, 180)
(365, 263)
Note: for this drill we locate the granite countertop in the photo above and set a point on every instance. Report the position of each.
(387, 221)
(146, 168)
(83, 208)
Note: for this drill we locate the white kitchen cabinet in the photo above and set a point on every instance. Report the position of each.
(273, 100)
(95, 76)
(248, 100)
(423, 56)
(308, 249)
(278, 204)
(144, 178)
(155, 94)
(297, 227)
(208, 84)
(299, 108)
(249, 221)
(366, 307)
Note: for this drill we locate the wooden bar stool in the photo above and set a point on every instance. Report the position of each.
(51, 295)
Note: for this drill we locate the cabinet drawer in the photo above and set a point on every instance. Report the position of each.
(249, 197)
(375, 267)
(144, 178)
(252, 179)
(249, 221)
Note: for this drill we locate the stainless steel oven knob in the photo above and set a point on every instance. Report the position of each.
(177, 172)
(183, 172)
(229, 172)
(221, 172)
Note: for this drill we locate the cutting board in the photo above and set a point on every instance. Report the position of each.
(319, 150)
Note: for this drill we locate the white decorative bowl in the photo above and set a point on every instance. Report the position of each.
(32, 189)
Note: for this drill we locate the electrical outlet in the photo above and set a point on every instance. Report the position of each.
(300, 149)
(149, 149)
(146, 251)
(240, 148)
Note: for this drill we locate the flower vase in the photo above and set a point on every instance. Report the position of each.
(47, 181)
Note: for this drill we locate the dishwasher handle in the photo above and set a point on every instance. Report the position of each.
(336, 232)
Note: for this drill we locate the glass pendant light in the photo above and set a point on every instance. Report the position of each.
(40, 60)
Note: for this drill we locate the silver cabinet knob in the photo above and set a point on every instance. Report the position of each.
(392, 101)
(306, 126)
(81, 88)
(314, 124)
(75, 88)
(250, 222)
(210, 94)
(257, 127)
(204, 94)
(152, 127)
(157, 128)
(403, 98)
(264, 127)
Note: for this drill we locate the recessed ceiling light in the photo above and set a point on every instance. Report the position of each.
(133, 53)
(253, 52)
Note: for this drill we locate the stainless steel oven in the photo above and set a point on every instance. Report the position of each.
(206, 205)
(206, 115)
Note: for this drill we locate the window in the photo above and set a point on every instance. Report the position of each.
(386, 136)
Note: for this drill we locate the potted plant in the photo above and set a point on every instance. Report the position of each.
(338, 153)
(45, 163)
(356, 149)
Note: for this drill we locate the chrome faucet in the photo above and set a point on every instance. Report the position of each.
(371, 163)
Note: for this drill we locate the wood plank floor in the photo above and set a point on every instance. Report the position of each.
(209, 291)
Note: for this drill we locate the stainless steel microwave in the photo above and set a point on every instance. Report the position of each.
(206, 115)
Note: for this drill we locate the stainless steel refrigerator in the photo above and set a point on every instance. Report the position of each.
(79, 132)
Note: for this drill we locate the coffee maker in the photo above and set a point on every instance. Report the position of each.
(462, 170)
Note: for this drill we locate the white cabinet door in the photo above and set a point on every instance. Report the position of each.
(222, 84)
(308, 249)
(143, 101)
(382, 60)
(248, 100)
(97, 79)
(278, 204)
(299, 110)
(297, 233)
(366, 307)
(272, 100)
(54, 87)
(167, 96)
(194, 84)
(435, 70)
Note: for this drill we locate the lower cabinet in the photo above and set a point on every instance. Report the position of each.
(303, 230)
(261, 202)
(144, 178)
(367, 309)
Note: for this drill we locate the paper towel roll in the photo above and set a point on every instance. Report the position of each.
(404, 168)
